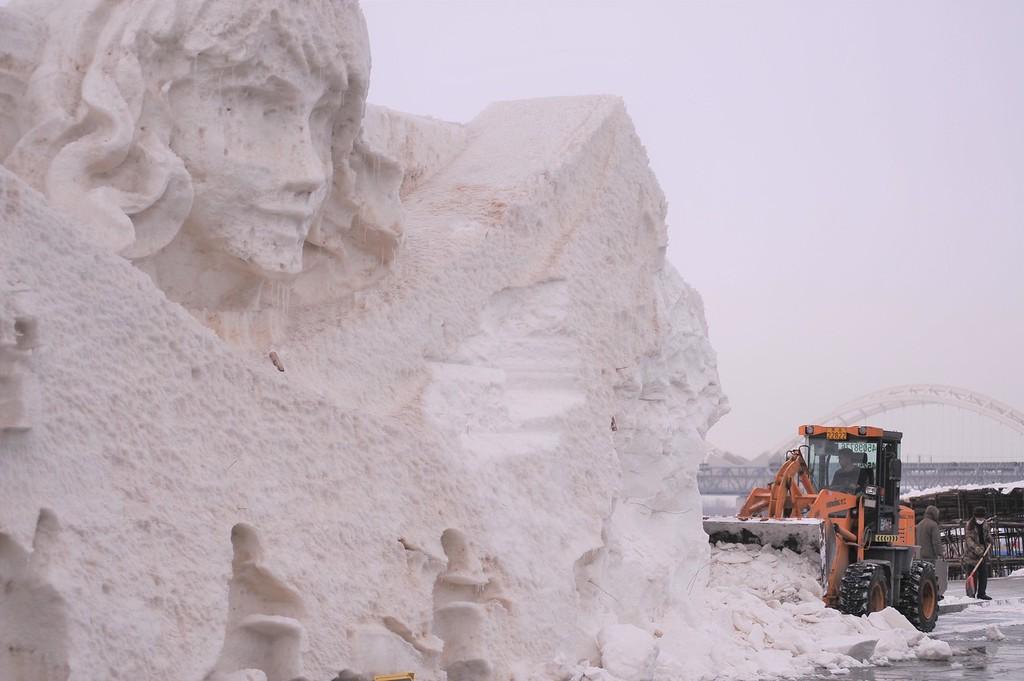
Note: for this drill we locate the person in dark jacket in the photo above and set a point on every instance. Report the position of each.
(928, 535)
(849, 478)
(977, 538)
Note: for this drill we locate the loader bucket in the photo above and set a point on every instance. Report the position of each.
(802, 535)
(796, 534)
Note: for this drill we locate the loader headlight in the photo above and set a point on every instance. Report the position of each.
(863, 430)
(808, 430)
(871, 490)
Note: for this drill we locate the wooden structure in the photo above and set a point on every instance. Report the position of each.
(1005, 505)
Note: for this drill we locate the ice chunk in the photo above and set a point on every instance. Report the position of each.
(628, 652)
(774, 662)
(994, 633)
(890, 618)
(934, 649)
(893, 646)
(858, 647)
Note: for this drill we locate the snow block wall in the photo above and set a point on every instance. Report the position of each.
(471, 469)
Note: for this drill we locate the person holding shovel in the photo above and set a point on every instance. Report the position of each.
(977, 544)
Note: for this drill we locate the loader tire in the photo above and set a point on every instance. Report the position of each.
(864, 589)
(919, 595)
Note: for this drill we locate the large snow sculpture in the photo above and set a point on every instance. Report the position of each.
(532, 374)
(533, 266)
(217, 143)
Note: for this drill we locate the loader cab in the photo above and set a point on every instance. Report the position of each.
(833, 451)
(859, 460)
(848, 466)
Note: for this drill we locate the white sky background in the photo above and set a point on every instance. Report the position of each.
(845, 180)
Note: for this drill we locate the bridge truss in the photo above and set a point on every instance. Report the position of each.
(740, 480)
(859, 410)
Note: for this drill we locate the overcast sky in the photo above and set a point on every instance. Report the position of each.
(845, 180)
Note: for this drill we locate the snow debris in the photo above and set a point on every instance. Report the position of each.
(994, 633)
(857, 647)
(1002, 487)
(934, 649)
(628, 652)
(766, 606)
(890, 618)
(772, 574)
(761, 616)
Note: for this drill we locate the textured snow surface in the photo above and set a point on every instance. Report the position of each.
(422, 145)
(531, 383)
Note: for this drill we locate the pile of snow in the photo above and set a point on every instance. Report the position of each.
(769, 573)
(792, 617)
(764, 617)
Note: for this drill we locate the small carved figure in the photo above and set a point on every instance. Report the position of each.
(19, 336)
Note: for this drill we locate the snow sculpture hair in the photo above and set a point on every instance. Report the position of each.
(228, 129)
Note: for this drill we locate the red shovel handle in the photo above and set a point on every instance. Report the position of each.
(978, 564)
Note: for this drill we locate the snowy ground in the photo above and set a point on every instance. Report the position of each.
(986, 640)
(1001, 589)
(975, 657)
(987, 643)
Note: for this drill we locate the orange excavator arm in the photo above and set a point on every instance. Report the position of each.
(790, 494)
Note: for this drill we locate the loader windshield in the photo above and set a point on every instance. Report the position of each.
(846, 466)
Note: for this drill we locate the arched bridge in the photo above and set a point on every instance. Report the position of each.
(858, 411)
(739, 480)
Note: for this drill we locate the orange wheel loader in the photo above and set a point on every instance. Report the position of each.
(838, 494)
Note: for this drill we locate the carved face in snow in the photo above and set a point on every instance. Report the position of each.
(211, 128)
(257, 145)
